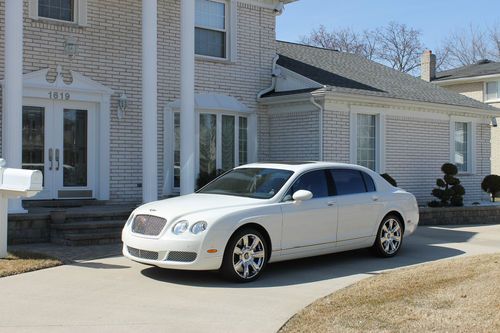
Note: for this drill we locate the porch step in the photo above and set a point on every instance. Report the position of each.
(87, 232)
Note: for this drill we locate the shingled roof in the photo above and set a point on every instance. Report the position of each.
(481, 68)
(353, 74)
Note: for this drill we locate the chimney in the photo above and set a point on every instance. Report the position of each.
(428, 69)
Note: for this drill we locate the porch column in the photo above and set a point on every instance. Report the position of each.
(12, 140)
(149, 101)
(188, 135)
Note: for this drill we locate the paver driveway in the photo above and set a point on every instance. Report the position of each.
(116, 295)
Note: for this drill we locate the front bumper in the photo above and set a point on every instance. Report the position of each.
(170, 253)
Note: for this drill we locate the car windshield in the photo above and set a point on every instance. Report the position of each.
(257, 183)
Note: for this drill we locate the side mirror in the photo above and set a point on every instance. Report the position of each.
(302, 195)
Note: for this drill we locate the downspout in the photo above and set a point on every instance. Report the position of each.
(275, 73)
(321, 114)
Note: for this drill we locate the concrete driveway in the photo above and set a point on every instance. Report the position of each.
(116, 295)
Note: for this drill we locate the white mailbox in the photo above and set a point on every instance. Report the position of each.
(15, 183)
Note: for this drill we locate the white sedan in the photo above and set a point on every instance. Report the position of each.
(262, 213)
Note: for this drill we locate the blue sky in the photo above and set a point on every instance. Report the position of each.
(434, 18)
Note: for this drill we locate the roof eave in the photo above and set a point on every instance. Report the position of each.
(396, 102)
(471, 79)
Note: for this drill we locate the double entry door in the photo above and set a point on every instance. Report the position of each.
(59, 140)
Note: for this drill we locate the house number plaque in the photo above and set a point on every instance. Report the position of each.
(60, 95)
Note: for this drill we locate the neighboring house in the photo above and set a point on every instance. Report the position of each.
(342, 107)
(97, 96)
(480, 81)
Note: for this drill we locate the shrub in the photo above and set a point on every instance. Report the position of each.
(206, 177)
(389, 179)
(449, 192)
(491, 185)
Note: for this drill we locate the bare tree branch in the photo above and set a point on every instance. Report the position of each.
(395, 45)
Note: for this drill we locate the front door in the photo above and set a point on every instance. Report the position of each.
(58, 140)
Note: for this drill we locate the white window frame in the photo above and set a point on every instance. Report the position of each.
(379, 138)
(79, 13)
(231, 32)
(169, 142)
(471, 146)
(494, 100)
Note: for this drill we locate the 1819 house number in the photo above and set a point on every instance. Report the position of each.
(59, 95)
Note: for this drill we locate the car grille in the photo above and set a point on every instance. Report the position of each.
(181, 256)
(148, 225)
(143, 254)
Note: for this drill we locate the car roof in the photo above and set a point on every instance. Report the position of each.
(300, 166)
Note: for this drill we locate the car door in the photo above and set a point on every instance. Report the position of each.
(311, 222)
(358, 204)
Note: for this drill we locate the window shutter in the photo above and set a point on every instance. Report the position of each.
(82, 12)
(33, 9)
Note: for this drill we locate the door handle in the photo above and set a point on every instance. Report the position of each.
(375, 198)
(332, 203)
(51, 157)
(57, 160)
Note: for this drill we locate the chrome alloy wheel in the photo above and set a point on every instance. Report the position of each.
(248, 256)
(390, 237)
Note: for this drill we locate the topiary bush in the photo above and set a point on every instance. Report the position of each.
(389, 179)
(449, 192)
(491, 185)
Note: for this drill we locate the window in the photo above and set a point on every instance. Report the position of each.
(315, 181)
(252, 182)
(462, 146)
(211, 28)
(492, 92)
(62, 10)
(370, 185)
(223, 143)
(366, 140)
(243, 141)
(208, 143)
(348, 181)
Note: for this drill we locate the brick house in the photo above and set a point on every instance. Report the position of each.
(128, 101)
(480, 81)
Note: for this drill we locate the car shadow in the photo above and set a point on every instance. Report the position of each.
(425, 246)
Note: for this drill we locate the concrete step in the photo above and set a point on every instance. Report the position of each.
(62, 203)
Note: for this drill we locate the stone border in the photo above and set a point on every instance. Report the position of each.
(460, 215)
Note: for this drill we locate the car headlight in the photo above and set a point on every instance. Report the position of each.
(199, 227)
(180, 227)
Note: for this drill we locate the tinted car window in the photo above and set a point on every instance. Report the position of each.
(314, 181)
(370, 185)
(348, 181)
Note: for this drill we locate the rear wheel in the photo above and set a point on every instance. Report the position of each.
(389, 237)
(245, 256)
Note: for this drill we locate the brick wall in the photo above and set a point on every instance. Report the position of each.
(416, 149)
(294, 135)
(110, 53)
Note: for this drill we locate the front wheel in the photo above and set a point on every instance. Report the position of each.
(245, 256)
(389, 237)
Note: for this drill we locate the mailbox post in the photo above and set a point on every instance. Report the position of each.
(15, 183)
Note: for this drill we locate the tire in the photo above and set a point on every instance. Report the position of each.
(389, 237)
(245, 256)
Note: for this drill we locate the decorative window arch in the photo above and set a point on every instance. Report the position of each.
(225, 137)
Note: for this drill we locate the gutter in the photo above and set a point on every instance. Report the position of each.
(471, 79)
(321, 114)
(275, 72)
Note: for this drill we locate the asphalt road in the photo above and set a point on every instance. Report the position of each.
(117, 295)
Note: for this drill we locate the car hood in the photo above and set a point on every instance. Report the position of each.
(174, 208)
